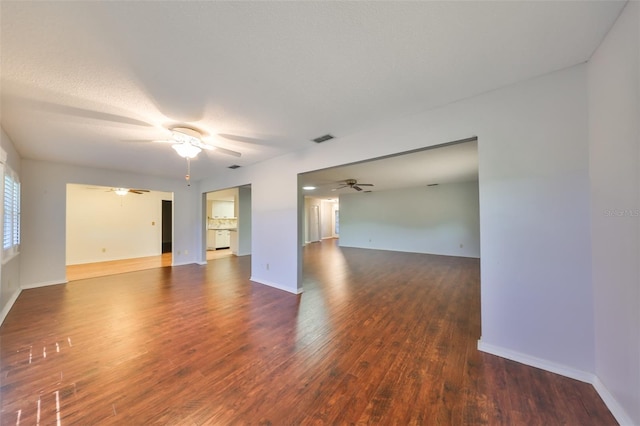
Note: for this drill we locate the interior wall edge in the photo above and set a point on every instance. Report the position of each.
(612, 404)
(9, 305)
(616, 409)
(43, 284)
(275, 285)
(543, 364)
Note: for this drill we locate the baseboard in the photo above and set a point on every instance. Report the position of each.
(274, 285)
(9, 305)
(536, 362)
(42, 284)
(190, 262)
(618, 412)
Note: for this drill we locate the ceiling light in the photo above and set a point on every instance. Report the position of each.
(185, 149)
(121, 191)
(308, 188)
(183, 137)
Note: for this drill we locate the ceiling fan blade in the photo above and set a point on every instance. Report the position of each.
(366, 184)
(227, 151)
(138, 191)
(244, 139)
(147, 141)
(80, 112)
(340, 187)
(206, 146)
(357, 188)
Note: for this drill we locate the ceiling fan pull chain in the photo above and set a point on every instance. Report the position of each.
(188, 176)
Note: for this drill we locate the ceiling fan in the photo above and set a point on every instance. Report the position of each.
(121, 191)
(188, 142)
(353, 184)
(124, 191)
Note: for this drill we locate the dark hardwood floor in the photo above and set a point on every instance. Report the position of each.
(376, 338)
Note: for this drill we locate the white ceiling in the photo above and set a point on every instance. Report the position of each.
(440, 165)
(81, 82)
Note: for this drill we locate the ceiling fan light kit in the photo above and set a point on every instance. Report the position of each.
(121, 191)
(188, 142)
(186, 150)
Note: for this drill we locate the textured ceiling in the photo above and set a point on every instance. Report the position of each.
(446, 164)
(84, 82)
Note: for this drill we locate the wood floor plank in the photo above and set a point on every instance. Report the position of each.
(377, 337)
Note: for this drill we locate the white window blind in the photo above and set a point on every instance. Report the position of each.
(11, 213)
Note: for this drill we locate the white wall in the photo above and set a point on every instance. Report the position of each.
(44, 188)
(614, 143)
(537, 293)
(309, 204)
(244, 221)
(434, 220)
(10, 270)
(326, 219)
(274, 219)
(104, 226)
(325, 211)
(534, 210)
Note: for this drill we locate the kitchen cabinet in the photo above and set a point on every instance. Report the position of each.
(211, 239)
(221, 209)
(222, 239)
(218, 239)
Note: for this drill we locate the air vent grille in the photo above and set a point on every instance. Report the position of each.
(323, 138)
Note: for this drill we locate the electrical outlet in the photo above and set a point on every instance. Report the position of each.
(104, 250)
(186, 252)
(267, 266)
(461, 245)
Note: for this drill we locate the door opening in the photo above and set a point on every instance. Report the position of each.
(167, 226)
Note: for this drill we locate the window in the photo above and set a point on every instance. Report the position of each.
(11, 215)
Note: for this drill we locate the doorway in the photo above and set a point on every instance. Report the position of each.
(227, 223)
(167, 226)
(421, 201)
(110, 232)
(314, 223)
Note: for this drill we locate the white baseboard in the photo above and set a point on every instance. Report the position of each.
(274, 285)
(618, 412)
(9, 305)
(43, 284)
(186, 263)
(533, 361)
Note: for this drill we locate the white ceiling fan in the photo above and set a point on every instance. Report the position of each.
(188, 143)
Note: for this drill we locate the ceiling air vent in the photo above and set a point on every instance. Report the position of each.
(235, 166)
(323, 138)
